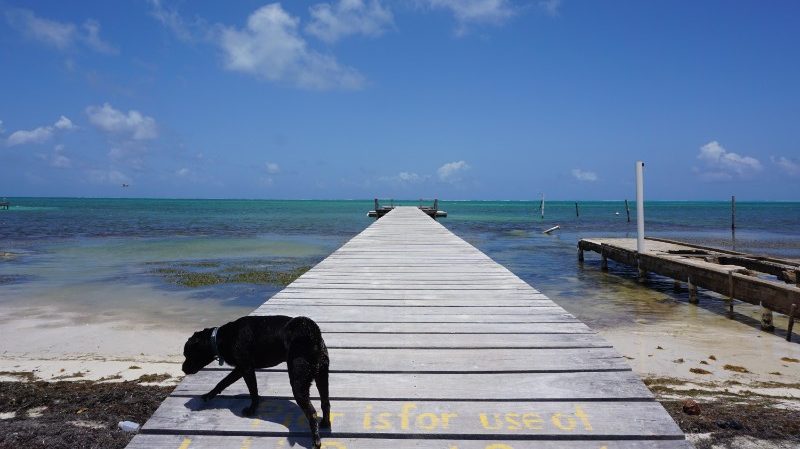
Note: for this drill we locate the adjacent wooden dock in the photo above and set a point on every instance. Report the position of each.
(770, 282)
(432, 345)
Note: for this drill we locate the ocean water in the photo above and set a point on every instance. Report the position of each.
(100, 259)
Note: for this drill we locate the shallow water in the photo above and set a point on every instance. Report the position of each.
(96, 256)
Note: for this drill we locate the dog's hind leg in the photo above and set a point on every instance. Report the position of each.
(226, 382)
(301, 376)
(322, 386)
(252, 387)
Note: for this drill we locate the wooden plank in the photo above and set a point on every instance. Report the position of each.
(469, 360)
(394, 327)
(406, 316)
(412, 294)
(381, 311)
(193, 441)
(388, 302)
(376, 419)
(505, 386)
(450, 340)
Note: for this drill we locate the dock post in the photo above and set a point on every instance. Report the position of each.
(797, 278)
(580, 254)
(603, 259)
(692, 291)
(792, 311)
(766, 318)
(676, 285)
(730, 294)
(640, 248)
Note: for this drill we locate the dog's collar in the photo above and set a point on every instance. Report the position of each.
(214, 345)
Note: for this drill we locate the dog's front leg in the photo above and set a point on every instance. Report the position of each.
(226, 382)
(252, 387)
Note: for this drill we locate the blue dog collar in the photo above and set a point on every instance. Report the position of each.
(217, 354)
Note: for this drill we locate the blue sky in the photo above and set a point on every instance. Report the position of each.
(455, 99)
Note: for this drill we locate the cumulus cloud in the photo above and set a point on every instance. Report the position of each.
(270, 47)
(550, 7)
(468, 12)
(451, 171)
(111, 176)
(182, 172)
(134, 123)
(331, 22)
(64, 123)
(59, 35)
(582, 175)
(58, 159)
(185, 30)
(2, 130)
(721, 164)
(789, 166)
(273, 168)
(404, 178)
(39, 135)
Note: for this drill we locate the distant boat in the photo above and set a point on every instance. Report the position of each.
(126, 185)
(547, 231)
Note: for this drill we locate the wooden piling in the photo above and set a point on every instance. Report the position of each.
(692, 291)
(733, 213)
(577, 214)
(791, 322)
(730, 294)
(628, 211)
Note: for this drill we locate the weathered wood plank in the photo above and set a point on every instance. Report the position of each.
(388, 302)
(581, 337)
(469, 360)
(192, 441)
(376, 419)
(506, 386)
(365, 311)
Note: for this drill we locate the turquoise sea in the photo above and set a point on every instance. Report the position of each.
(110, 258)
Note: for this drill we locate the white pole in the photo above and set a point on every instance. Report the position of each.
(640, 248)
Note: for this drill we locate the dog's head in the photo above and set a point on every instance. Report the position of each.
(199, 351)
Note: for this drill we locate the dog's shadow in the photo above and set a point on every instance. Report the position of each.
(274, 412)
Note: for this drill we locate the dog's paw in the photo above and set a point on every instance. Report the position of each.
(207, 397)
(248, 411)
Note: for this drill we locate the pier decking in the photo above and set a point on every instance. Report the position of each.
(432, 345)
(758, 280)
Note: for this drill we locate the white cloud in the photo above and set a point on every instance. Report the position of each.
(404, 178)
(582, 175)
(60, 35)
(134, 123)
(92, 38)
(348, 17)
(790, 166)
(182, 172)
(467, 12)
(2, 130)
(722, 164)
(41, 134)
(550, 7)
(451, 171)
(64, 123)
(271, 48)
(107, 177)
(272, 168)
(187, 31)
(58, 159)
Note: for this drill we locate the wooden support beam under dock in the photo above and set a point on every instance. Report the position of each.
(733, 274)
(432, 345)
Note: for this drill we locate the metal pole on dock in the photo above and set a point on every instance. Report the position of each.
(640, 248)
(541, 206)
(628, 210)
(577, 214)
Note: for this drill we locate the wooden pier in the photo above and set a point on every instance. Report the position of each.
(5, 205)
(431, 211)
(772, 283)
(432, 345)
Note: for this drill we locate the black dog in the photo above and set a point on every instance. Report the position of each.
(260, 342)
